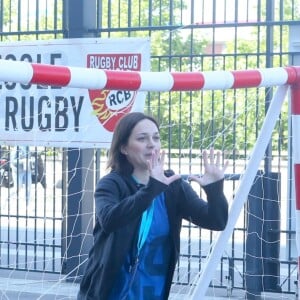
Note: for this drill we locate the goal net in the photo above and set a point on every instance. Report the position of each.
(219, 103)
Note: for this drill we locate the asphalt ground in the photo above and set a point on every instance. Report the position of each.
(18, 285)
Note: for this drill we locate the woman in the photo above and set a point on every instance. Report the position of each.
(139, 210)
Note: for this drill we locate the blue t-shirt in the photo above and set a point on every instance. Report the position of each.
(146, 279)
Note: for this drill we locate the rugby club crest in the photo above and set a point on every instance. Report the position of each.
(110, 105)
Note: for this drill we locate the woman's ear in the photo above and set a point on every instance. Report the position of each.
(123, 150)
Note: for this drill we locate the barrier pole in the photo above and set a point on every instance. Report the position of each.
(295, 112)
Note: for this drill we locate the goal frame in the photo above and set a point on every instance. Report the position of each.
(285, 78)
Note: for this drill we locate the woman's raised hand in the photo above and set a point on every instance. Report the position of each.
(213, 170)
(156, 168)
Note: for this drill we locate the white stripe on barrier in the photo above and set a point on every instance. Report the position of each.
(297, 229)
(87, 78)
(273, 77)
(296, 139)
(218, 80)
(15, 71)
(156, 81)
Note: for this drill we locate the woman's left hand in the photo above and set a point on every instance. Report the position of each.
(213, 170)
(156, 168)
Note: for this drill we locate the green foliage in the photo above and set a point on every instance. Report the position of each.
(227, 120)
(26, 17)
(195, 119)
(8, 9)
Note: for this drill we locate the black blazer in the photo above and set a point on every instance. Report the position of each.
(119, 205)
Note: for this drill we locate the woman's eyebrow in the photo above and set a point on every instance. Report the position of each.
(146, 133)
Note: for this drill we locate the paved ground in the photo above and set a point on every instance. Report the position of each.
(34, 286)
(31, 286)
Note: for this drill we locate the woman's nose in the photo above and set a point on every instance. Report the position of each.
(150, 142)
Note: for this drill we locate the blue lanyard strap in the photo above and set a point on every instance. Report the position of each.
(145, 226)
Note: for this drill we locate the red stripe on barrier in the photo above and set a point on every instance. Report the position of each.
(187, 81)
(130, 81)
(297, 185)
(295, 99)
(246, 79)
(292, 74)
(50, 75)
(295, 91)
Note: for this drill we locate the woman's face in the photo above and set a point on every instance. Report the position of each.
(142, 142)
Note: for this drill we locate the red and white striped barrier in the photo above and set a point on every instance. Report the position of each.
(295, 111)
(93, 79)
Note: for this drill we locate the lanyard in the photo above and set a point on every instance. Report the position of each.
(145, 226)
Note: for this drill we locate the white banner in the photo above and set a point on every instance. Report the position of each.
(69, 117)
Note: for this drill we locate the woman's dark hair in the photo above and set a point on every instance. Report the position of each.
(116, 159)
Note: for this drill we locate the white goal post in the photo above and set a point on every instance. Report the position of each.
(30, 73)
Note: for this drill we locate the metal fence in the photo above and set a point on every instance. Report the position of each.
(186, 35)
